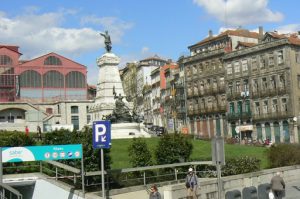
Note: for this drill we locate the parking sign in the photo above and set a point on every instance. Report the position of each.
(101, 134)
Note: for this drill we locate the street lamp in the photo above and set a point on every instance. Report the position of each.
(244, 95)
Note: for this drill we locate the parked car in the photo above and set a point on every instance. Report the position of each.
(160, 130)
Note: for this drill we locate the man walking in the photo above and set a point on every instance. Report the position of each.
(191, 183)
(277, 186)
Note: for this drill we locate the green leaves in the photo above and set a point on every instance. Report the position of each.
(241, 165)
(139, 154)
(173, 148)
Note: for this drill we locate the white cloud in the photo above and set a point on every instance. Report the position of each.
(240, 12)
(145, 50)
(290, 28)
(38, 34)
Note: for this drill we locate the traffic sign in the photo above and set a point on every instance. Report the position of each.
(101, 134)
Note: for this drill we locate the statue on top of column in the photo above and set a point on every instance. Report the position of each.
(107, 41)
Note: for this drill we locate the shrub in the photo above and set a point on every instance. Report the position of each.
(240, 165)
(284, 155)
(139, 154)
(173, 148)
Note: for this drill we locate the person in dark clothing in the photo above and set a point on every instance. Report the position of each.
(154, 194)
(277, 186)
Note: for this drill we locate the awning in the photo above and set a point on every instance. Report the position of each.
(246, 128)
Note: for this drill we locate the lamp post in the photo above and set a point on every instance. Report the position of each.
(244, 96)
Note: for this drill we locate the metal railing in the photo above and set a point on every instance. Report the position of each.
(7, 192)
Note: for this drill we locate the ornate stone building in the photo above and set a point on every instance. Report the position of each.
(263, 83)
(205, 81)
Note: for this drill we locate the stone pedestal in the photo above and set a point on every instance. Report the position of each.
(128, 130)
(108, 78)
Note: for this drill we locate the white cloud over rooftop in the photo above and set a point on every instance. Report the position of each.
(240, 12)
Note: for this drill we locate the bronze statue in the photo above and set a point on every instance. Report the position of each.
(107, 41)
(121, 112)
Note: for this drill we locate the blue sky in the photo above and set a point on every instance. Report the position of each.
(138, 29)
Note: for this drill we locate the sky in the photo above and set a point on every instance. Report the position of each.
(138, 28)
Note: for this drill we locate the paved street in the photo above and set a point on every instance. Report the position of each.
(293, 190)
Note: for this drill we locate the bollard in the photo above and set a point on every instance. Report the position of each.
(235, 194)
(263, 191)
(249, 193)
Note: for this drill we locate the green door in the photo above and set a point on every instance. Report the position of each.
(268, 131)
(259, 132)
(286, 132)
(277, 132)
(233, 132)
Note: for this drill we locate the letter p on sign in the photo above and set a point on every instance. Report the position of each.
(101, 134)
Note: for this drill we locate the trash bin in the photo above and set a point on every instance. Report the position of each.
(263, 191)
(235, 194)
(249, 193)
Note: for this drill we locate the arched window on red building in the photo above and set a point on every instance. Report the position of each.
(75, 79)
(30, 78)
(52, 60)
(53, 79)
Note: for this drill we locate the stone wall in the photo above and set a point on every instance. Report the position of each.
(238, 182)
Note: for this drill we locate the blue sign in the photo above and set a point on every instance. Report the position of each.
(101, 134)
(40, 153)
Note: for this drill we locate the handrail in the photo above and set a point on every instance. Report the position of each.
(64, 166)
(12, 190)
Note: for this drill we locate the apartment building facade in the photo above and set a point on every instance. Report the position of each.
(205, 81)
(263, 96)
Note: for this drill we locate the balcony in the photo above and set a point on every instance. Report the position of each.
(237, 116)
(272, 116)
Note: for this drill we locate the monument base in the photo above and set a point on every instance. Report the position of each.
(127, 130)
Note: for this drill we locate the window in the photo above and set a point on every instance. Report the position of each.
(262, 62)
(271, 59)
(264, 83)
(284, 104)
(49, 110)
(230, 87)
(237, 87)
(254, 63)
(88, 118)
(30, 78)
(255, 85)
(58, 109)
(297, 57)
(265, 107)
(246, 85)
(274, 105)
(298, 78)
(244, 65)
(257, 108)
(74, 109)
(280, 57)
(247, 106)
(53, 79)
(231, 107)
(236, 67)
(5, 60)
(229, 69)
(75, 79)
(75, 121)
(281, 81)
(239, 107)
(52, 60)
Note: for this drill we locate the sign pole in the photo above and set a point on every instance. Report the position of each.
(102, 174)
(1, 168)
(82, 176)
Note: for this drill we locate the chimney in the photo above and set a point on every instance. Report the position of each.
(210, 33)
(260, 33)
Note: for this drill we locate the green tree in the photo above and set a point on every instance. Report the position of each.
(173, 148)
(139, 154)
(20, 139)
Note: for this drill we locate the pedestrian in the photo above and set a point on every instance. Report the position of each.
(39, 133)
(154, 194)
(26, 131)
(277, 186)
(191, 183)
